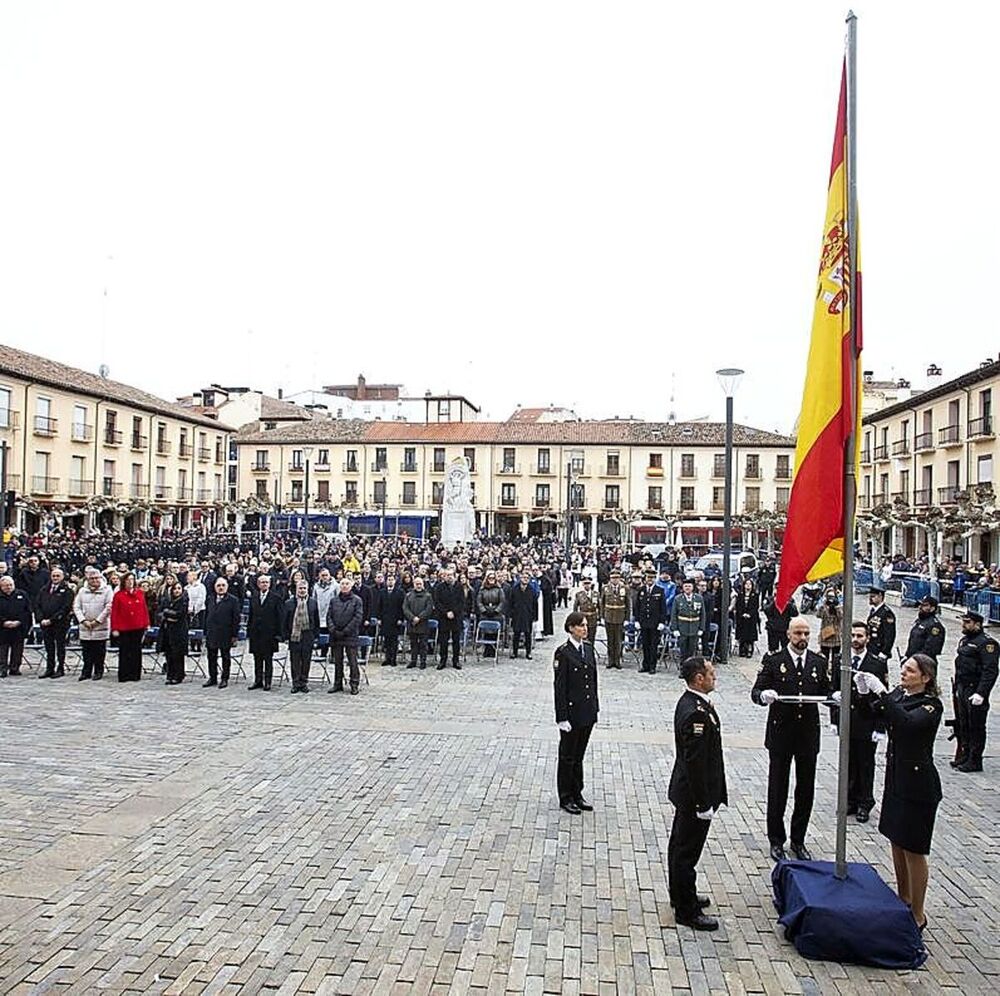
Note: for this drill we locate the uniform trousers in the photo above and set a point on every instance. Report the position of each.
(650, 647)
(569, 772)
(971, 722)
(687, 646)
(616, 635)
(861, 774)
(687, 840)
(778, 775)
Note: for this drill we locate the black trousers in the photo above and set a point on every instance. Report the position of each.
(94, 653)
(54, 638)
(418, 647)
(776, 641)
(517, 641)
(263, 669)
(971, 723)
(175, 664)
(300, 660)
(650, 646)
(687, 840)
(450, 629)
(11, 655)
(130, 654)
(861, 774)
(562, 597)
(338, 649)
(687, 646)
(391, 640)
(569, 773)
(778, 774)
(213, 663)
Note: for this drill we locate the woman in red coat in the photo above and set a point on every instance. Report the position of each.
(129, 622)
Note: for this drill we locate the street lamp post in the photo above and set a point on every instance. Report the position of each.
(729, 378)
(385, 493)
(307, 453)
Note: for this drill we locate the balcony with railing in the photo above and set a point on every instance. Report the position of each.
(44, 425)
(903, 496)
(9, 419)
(980, 428)
(409, 467)
(950, 435)
(508, 469)
(718, 507)
(162, 446)
(78, 488)
(781, 504)
(881, 453)
(379, 499)
(948, 495)
(80, 432)
(581, 470)
(184, 450)
(508, 500)
(784, 474)
(294, 467)
(612, 504)
(161, 492)
(44, 485)
(350, 499)
(185, 494)
(541, 469)
(655, 506)
(110, 488)
(379, 467)
(924, 441)
(139, 441)
(204, 494)
(204, 454)
(408, 499)
(613, 471)
(112, 437)
(752, 474)
(901, 448)
(14, 482)
(260, 467)
(541, 503)
(752, 506)
(866, 456)
(137, 490)
(656, 473)
(923, 496)
(687, 507)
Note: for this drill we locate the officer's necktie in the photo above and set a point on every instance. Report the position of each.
(798, 664)
(855, 661)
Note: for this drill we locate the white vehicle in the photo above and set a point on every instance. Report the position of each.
(741, 562)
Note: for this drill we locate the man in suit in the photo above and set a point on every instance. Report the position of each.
(697, 790)
(577, 706)
(523, 606)
(688, 620)
(867, 728)
(264, 631)
(300, 627)
(54, 610)
(881, 623)
(15, 625)
(650, 613)
(344, 619)
(449, 604)
(222, 630)
(792, 734)
(389, 610)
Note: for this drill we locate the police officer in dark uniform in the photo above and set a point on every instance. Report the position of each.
(881, 623)
(927, 634)
(575, 687)
(975, 676)
(650, 613)
(697, 790)
(792, 734)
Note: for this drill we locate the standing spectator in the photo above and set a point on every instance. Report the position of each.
(831, 619)
(263, 631)
(564, 585)
(222, 630)
(301, 626)
(389, 610)
(418, 607)
(776, 624)
(197, 599)
(15, 624)
(449, 604)
(324, 591)
(54, 610)
(174, 631)
(32, 578)
(92, 608)
(548, 602)
(523, 612)
(747, 617)
(344, 618)
(490, 604)
(766, 577)
(129, 622)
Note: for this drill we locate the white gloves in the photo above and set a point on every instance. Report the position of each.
(659, 627)
(677, 633)
(699, 632)
(878, 737)
(565, 727)
(836, 696)
(707, 815)
(865, 682)
(976, 699)
(768, 696)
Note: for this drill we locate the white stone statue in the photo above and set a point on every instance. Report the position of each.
(458, 519)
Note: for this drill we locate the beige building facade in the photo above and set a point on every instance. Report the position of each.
(83, 451)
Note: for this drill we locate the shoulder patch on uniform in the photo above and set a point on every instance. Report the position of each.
(935, 630)
(929, 707)
(991, 647)
(697, 729)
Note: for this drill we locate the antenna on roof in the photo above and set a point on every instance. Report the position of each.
(672, 414)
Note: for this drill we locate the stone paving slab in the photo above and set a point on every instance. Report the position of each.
(181, 840)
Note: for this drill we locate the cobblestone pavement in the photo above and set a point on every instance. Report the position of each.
(182, 840)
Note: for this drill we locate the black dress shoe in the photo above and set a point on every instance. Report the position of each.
(441, 667)
(47, 674)
(209, 683)
(457, 666)
(702, 902)
(862, 816)
(957, 761)
(84, 677)
(582, 803)
(295, 691)
(408, 666)
(267, 687)
(801, 852)
(698, 921)
(527, 657)
(423, 665)
(778, 852)
(571, 807)
(255, 686)
(851, 810)
(304, 688)
(968, 766)
(354, 689)
(223, 683)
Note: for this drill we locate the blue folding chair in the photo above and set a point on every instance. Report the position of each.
(364, 653)
(487, 635)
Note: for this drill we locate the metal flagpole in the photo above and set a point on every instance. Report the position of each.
(850, 483)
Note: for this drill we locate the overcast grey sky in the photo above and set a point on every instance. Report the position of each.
(526, 202)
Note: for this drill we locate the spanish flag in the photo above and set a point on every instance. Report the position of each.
(813, 545)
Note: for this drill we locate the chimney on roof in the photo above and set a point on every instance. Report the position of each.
(934, 376)
(280, 393)
(361, 387)
(868, 376)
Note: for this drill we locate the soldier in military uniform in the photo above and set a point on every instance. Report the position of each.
(975, 676)
(792, 734)
(881, 623)
(697, 790)
(577, 707)
(650, 613)
(614, 610)
(927, 634)
(688, 619)
(587, 602)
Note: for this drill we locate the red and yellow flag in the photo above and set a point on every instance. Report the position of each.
(813, 545)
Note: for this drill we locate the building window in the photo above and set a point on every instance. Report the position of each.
(578, 496)
(297, 460)
(45, 424)
(753, 499)
(438, 459)
(444, 409)
(437, 492)
(78, 476)
(718, 499)
(576, 462)
(544, 461)
(5, 403)
(687, 465)
(687, 499)
(350, 492)
(296, 491)
(381, 458)
(261, 461)
(655, 497)
(719, 465)
(409, 492)
(80, 429)
(753, 466)
(108, 480)
(611, 496)
(410, 459)
(323, 490)
(613, 465)
(508, 460)
(781, 499)
(782, 469)
(507, 496)
(379, 493)
(656, 460)
(542, 496)
(323, 459)
(261, 489)
(351, 463)
(984, 469)
(470, 454)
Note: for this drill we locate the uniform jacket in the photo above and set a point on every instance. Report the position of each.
(865, 719)
(55, 603)
(588, 603)
(575, 684)
(791, 726)
(344, 618)
(881, 630)
(15, 607)
(94, 606)
(688, 615)
(976, 663)
(912, 722)
(926, 637)
(648, 607)
(614, 603)
(523, 607)
(222, 620)
(264, 622)
(698, 780)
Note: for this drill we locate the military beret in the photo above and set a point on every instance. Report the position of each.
(973, 616)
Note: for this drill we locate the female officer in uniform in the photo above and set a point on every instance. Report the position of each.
(912, 792)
